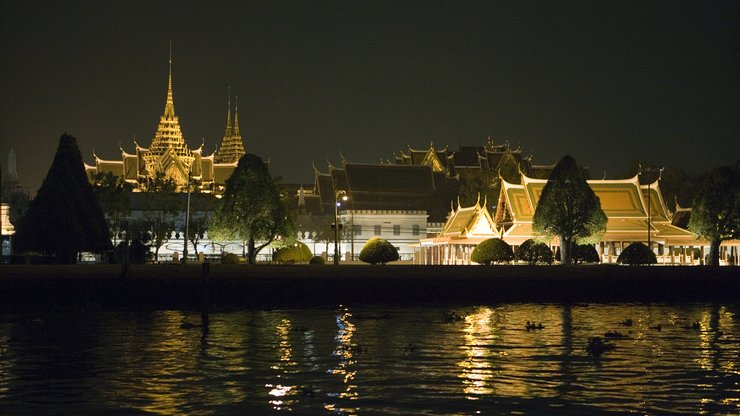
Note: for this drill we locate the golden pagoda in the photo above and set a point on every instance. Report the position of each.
(170, 154)
(232, 147)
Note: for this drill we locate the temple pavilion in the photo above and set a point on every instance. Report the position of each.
(633, 212)
(170, 155)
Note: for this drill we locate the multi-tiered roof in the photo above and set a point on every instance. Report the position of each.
(168, 152)
(232, 147)
(169, 155)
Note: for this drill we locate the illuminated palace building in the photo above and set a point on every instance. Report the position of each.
(170, 155)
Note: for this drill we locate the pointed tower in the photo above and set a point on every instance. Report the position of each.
(169, 153)
(232, 147)
(228, 131)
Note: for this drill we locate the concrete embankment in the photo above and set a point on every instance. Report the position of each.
(177, 286)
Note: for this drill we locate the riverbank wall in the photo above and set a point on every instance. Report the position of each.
(275, 286)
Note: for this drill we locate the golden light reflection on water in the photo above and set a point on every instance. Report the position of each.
(476, 368)
(344, 349)
(726, 324)
(279, 393)
(167, 354)
(6, 364)
(331, 361)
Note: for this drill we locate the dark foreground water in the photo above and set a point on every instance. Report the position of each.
(373, 361)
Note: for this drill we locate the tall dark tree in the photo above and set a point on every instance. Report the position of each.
(64, 218)
(251, 208)
(485, 184)
(715, 214)
(475, 184)
(568, 208)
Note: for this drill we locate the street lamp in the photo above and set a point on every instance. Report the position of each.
(648, 171)
(187, 223)
(338, 196)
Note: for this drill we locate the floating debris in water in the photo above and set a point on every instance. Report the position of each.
(188, 325)
(626, 322)
(531, 326)
(452, 317)
(596, 346)
(658, 327)
(696, 325)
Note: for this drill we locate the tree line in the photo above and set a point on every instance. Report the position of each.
(69, 215)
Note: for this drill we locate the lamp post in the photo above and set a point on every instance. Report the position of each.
(187, 223)
(338, 195)
(648, 171)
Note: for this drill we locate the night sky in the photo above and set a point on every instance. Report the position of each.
(606, 82)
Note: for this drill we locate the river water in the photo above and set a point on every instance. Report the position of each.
(373, 360)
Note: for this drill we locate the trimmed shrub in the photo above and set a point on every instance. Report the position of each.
(582, 253)
(297, 253)
(378, 251)
(318, 260)
(533, 253)
(637, 253)
(230, 258)
(493, 250)
(585, 253)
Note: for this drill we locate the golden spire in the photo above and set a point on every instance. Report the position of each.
(235, 130)
(232, 147)
(169, 107)
(168, 152)
(228, 132)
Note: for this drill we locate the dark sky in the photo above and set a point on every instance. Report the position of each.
(604, 81)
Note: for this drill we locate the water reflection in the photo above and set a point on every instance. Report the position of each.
(345, 350)
(6, 364)
(374, 360)
(281, 393)
(476, 368)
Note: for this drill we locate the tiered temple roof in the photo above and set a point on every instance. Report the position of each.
(624, 202)
(470, 223)
(170, 155)
(471, 158)
(388, 187)
(232, 146)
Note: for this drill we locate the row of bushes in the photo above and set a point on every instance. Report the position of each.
(496, 250)
(491, 251)
(376, 251)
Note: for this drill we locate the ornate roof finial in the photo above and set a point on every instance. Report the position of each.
(169, 107)
(235, 130)
(228, 114)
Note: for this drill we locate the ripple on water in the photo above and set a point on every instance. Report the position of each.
(374, 360)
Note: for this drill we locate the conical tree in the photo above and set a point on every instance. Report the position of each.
(64, 218)
(568, 208)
